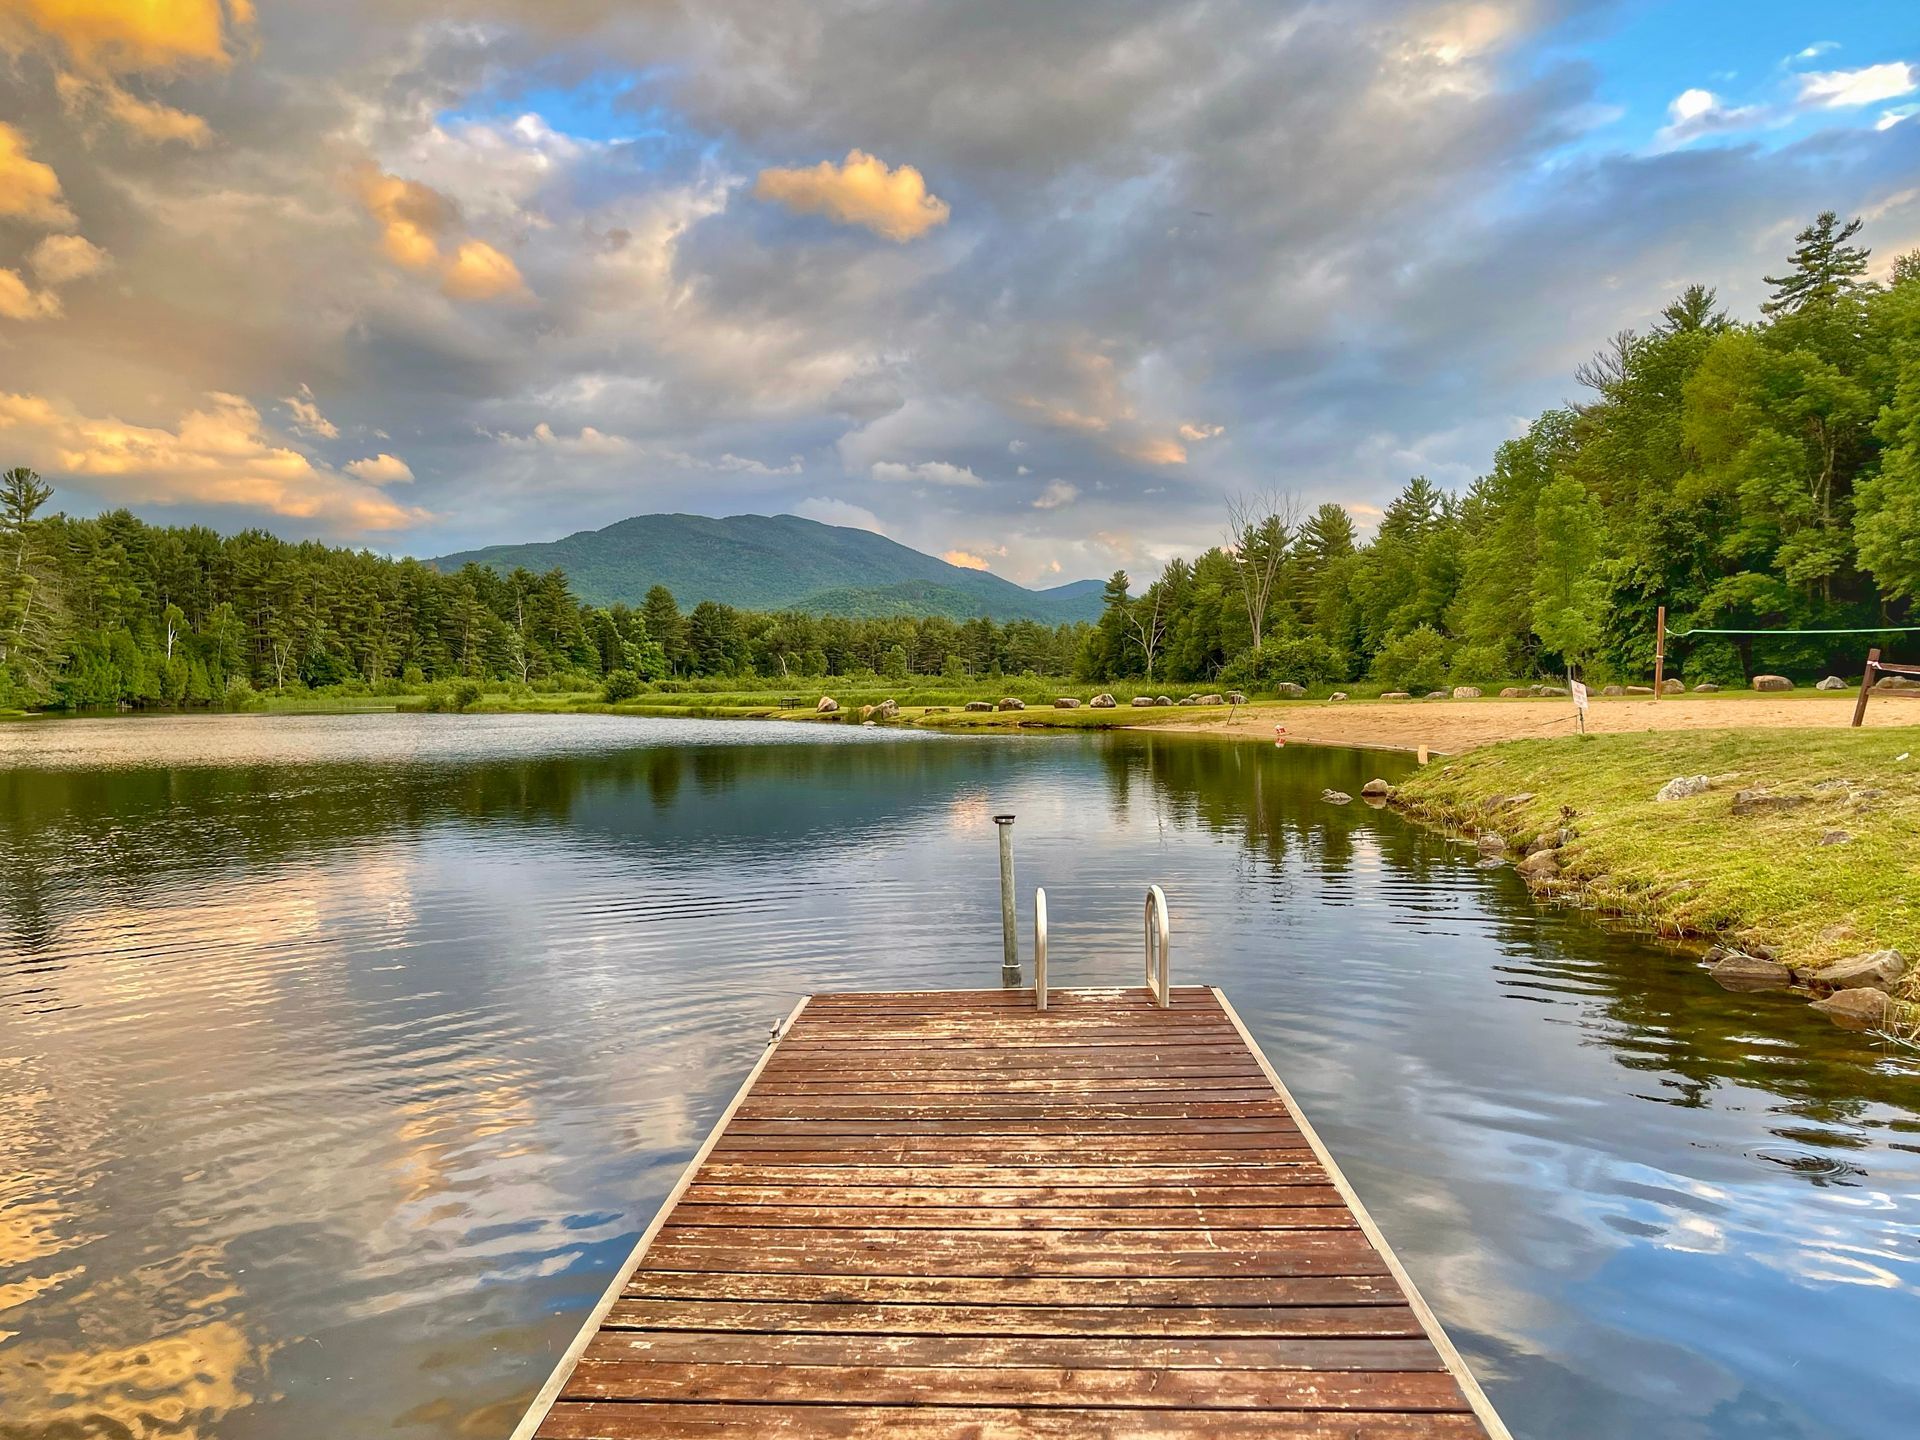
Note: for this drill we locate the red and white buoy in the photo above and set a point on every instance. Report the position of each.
(1279, 737)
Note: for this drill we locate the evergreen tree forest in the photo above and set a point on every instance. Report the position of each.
(1757, 475)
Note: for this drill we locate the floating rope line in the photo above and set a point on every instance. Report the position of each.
(1874, 630)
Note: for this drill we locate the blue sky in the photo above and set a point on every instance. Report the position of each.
(1033, 286)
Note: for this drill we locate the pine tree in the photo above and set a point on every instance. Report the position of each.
(1824, 267)
(1696, 310)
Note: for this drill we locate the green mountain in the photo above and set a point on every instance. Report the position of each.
(778, 562)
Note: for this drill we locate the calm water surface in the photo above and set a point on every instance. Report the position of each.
(342, 1058)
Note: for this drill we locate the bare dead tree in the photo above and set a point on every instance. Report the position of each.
(1260, 527)
(1147, 624)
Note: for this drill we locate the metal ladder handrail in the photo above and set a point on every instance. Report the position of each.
(1159, 940)
(1039, 949)
(1159, 934)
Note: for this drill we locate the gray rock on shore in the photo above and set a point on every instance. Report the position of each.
(1395, 695)
(1540, 865)
(1761, 802)
(1010, 703)
(1513, 692)
(1772, 682)
(1336, 797)
(1705, 687)
(1862, 1009)
(1066, 702)
(1833, 682)
(979, 705)
(1101, 702)
(886, 710)
(1341, 695)
(1376, 786)
(1466, 692)
(827, 706)
(1876, 968)
(1750, 972)
(1141, 701)
(1287, 690)
(1236, 697)
(1682, 786)
(1490, 843)
(1614, 690)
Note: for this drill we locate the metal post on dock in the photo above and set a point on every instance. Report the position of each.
(1009, 933)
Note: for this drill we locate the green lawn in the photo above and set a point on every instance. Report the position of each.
(1695, 867)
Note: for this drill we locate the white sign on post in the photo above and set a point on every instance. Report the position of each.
(1579, 696)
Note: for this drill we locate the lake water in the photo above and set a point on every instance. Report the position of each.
(341, 1059)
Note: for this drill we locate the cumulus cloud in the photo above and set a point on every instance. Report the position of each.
(20, 301)
(480, 272)
(95, 45)
(861, 190)
(588, 441)
(1843, 89)
(382, 469)
(1198, 432)
(927, 472)
(307, 419)
(417, 222)
(1056, 494)
(217, 454)
(1695, 113)
(29, 189)
(965, 559)
(63, 259)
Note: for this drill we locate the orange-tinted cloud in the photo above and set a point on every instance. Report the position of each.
(20, 301)
(1154, 450)
(418, 223)
(216, 455)
(480, 272)
(125, 37)
(859, 191)
(382, 469)
(29, 190)
(964, 559)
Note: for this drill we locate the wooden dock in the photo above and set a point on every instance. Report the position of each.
(954, 1215)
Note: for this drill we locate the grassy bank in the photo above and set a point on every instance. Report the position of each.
(1805, 846)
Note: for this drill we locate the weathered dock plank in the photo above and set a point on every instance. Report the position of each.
(948, 1215)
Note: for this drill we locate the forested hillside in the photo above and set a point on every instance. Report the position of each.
(1747, 475)
(114, 611)
(777, 562)
(1758, 474)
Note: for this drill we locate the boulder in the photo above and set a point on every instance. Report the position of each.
(1395, 695)
(1490, 842)
(1336, 797)
(1066, 702)
(1878, 968)
(1772, 682)
(1162, 700)
(1376, 786)
(1191, 700)
(1540, 865)
(1673, 687)
(1010, 703)
(1436, 694)
(1682, 786)
(1639, 689)
(1559, 690)
(1287, 690)
(1614, 690)
(1833, 682)
(1142, 701)
(1749, 972)
(1896, 682)
(1862, 1009)
(1466, 692)
(1235, 697)
(886, 710)
(1545, 840)
(827, 706)
(1705, 687)
(1836, 837)
(1212, 700)
(978, 705)
(1341, 695)
(1101, 702)
(1762, 802)
(1513, 692)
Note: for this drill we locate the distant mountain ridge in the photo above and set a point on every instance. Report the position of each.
(779, 562)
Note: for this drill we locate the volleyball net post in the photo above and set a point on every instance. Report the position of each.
(1659, 652)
